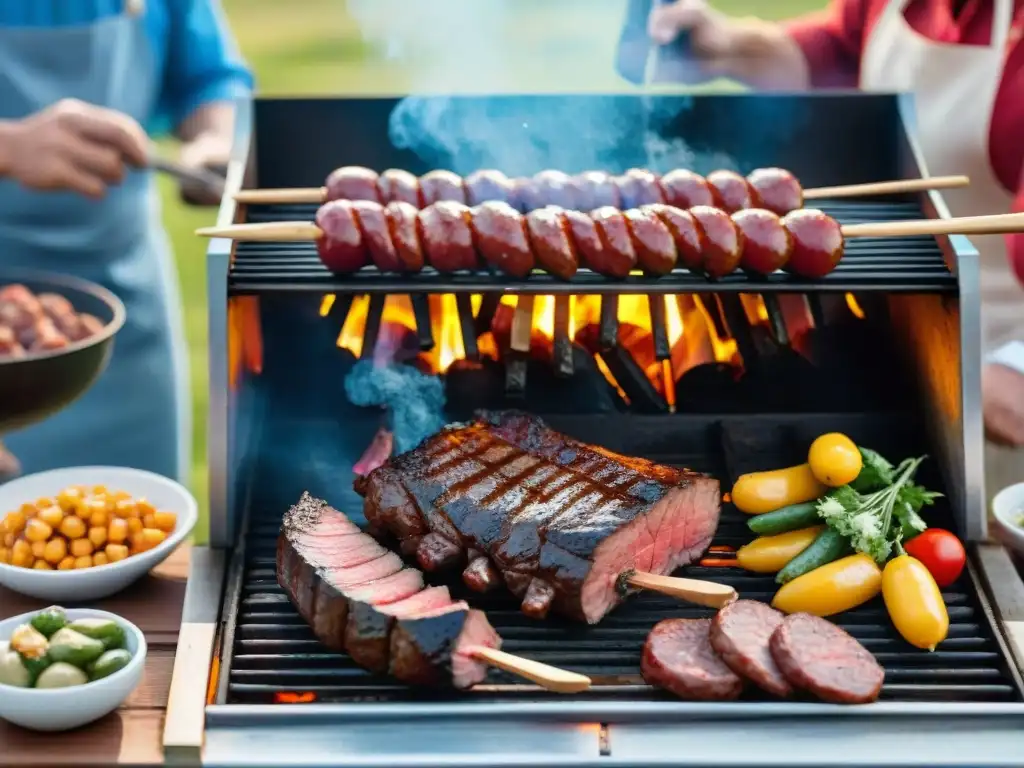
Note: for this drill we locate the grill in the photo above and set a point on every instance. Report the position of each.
(884, 355)
(895, 264)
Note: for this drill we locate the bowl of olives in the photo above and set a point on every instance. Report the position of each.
(61, 669)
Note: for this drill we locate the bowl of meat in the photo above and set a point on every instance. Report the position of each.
(56, 337)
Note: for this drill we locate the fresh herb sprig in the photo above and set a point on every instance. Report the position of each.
(877, 522)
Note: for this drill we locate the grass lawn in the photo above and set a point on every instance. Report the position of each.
(314, 47)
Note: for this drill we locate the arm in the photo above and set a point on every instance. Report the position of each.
(831, 41)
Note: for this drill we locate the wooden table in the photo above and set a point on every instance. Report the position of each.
(132, 734)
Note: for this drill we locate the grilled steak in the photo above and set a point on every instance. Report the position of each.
(560, 520)
(678, 657)
(740, 633)
(358, 598)
(817, 656)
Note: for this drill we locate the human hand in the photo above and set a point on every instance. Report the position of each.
(74, 146)
(711, 32)
(207, 152)
(1002, 403)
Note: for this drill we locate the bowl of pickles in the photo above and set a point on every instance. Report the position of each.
(84, 533)
(61, 669)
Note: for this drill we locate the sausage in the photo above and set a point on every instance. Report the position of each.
(447, 237)
(590, 249)
(341, 246)
(655, 247)
(551, 242)
(442, 185)
(45, 337)
(88, 326)
(817, 242)
(596, 189)
(639, 187)
(817, 656)
(740, 633)
(353, 182)
(484, 186)
(722, 252)
(61, 312)
(778, 190)
(678, 657)
(403, 225)
(380, 246)
(690, 241)
(396, 185)
(685, 189)
(767, 244)
(617, 243)
(19, 307)
(502, 239)
(547, 188)
(732, 192)
(9, 343)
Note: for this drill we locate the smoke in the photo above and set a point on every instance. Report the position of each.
(475, 47)
(413, 400)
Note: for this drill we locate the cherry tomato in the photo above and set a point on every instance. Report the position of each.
(941, 552)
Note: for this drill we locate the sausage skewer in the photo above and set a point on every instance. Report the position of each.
(776, 189)
(655, 238)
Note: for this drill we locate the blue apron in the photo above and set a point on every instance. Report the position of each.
(136, 414)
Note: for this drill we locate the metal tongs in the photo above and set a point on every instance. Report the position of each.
(196, 176)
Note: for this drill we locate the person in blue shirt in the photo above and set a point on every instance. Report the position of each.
(83, 85)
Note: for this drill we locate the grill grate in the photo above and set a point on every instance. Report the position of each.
(906, 264)
(273, 652)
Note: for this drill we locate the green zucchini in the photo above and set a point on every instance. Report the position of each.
(827, 547)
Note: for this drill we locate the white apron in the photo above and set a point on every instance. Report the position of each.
(955, 90)
(137, 413)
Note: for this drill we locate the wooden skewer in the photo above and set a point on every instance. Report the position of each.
(522, 323)
(996, 224)
(899, 186)
(707, 593)
(552, 678)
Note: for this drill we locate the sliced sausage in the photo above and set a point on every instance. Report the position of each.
(440, 185)
(655, 248)
(595, 190)
(373, 223)
(620, 255)
(396, 185)
(685, 189)
(724, 247)
(484, 186)
(678, 657)
(732, 191)
(340, 245)
(501, 238)
(447, 237)
(740, 633)
(403, 225)
(639, 187)
(88, 325)
(691, 243)
(589, 248)
(817, 656)
(353, 182)
(551, 242)
(548, 188)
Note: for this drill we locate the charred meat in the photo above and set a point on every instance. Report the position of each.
(360, 599)
(557, 520)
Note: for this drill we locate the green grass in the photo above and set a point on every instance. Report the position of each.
(314, 47)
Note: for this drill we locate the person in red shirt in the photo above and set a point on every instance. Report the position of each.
(964, 62)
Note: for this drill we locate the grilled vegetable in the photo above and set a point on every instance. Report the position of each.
(109, 663)
(50, 620)
(914, 602)
(12, 670)
(834, 459)
(769, 554)
(759, 492)
(789, 518)
(831, 589)
(61, 675)
(110, 633)
(827, 547)
(74, 648)
(941, 552)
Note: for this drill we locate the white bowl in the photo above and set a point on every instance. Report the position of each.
(60, 709)
(101, 580)
(1008, 507)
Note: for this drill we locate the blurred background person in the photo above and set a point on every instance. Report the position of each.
(81, 83)
(964, 62)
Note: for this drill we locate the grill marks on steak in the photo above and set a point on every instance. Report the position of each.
(559, 519)
(359, 599)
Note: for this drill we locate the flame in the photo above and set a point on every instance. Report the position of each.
(854, 306)
(292, 697)
(689, 331)
(245, 338)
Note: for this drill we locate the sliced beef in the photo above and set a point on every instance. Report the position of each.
(817, 656)
(740, 633)
(560, 520)
(359, 599)
(678, 657)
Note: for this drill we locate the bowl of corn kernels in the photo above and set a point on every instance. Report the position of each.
(84, 533)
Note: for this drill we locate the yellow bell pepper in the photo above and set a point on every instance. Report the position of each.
(770, 554)
(831, 589)
(759, 492)
(914, 602)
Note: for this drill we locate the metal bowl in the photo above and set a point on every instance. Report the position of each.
(40, 384)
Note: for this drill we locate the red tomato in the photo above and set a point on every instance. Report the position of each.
(941, 552)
